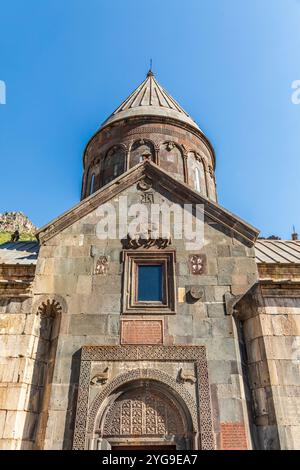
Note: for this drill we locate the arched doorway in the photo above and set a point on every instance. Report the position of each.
(144, 414)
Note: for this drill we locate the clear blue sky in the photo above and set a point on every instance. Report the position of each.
(68, 64)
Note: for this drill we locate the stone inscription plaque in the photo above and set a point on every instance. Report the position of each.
(233, 436)
(141, 332)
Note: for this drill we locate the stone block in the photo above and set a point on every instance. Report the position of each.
(12, 323)
(182, 326)
(12, 397)
(202, 328)
(14, 306)
(222, 327)
(223, 251)
(16, 346)
(2, 422)
(239, 251)
(219, 371)
(84, 284)
(253, 328)
(216, 310)
(88, 324)
(14, 424)
(231, 410)
(61, 396)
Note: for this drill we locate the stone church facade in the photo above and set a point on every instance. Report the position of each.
(96, 354)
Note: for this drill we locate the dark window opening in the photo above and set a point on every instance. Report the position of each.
(150, 283)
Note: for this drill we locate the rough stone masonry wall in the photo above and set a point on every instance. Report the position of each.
(20, 375)
(66, 269)
(271, 324)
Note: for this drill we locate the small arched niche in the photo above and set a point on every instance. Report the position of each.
(114, 164)
(144, 414)
(141, 150)
(171, 160)
(196, 173)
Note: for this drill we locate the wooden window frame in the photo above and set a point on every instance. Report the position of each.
(131, 304)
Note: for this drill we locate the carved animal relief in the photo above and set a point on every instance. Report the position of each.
(101, 378)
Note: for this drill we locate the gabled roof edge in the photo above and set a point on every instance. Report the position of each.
(181, 190)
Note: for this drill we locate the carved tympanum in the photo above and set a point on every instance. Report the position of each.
(142, 412)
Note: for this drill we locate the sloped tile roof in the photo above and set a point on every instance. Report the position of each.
(277, 251)
(19, 252)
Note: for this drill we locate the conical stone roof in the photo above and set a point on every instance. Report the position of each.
(150, 99)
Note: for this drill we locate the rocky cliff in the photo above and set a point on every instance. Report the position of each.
(11, 221)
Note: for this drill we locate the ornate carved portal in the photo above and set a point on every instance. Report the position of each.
(144, 406)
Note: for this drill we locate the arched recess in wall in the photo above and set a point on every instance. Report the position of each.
(171, 160)
(157, 411)
(141, 150)
(196, 172)
(48, 313)
(210, 178)
(114, 164)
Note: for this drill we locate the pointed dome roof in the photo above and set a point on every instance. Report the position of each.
(150, 99)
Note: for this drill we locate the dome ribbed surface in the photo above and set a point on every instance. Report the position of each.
(150, 99)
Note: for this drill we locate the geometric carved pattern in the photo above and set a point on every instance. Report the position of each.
(136, 374)
(142, 413)
(201, 417)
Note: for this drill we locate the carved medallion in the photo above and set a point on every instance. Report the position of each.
(197, 292)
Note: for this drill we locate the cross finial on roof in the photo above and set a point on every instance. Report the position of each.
(150, 73)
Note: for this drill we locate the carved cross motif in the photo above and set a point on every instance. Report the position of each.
(102, 265)
(197, 263)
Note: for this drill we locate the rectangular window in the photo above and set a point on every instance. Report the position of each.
(150, 283)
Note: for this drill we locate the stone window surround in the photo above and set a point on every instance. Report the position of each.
(131, 260)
